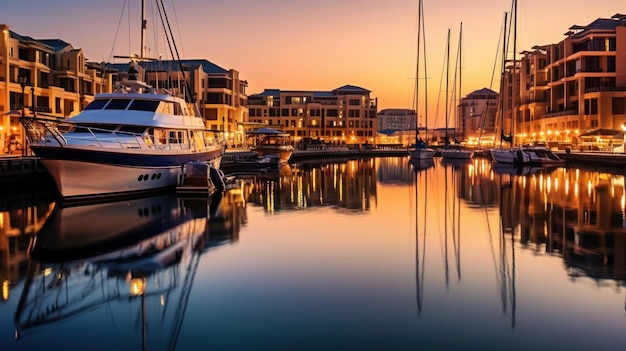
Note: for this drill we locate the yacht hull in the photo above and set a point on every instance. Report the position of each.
(80, 173)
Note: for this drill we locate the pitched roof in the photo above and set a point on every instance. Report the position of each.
(351, 88)
(27, 39)
(316, 93)
(482, 94)
(56, 44)
(600, 24)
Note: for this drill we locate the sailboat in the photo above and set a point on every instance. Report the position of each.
(511, 155)
(449, 152)
(421, 150)
(132, 140)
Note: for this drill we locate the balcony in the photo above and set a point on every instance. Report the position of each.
(600, 89)
(570, 112)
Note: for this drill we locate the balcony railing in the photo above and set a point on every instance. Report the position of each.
(561, 113)
(599, 89)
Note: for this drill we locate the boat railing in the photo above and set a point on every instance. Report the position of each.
(43, 132)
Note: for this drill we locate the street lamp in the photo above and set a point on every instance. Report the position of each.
(32, 92)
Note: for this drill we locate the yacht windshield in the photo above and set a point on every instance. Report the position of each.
(96, 104)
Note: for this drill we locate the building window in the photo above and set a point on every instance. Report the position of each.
(617, 107)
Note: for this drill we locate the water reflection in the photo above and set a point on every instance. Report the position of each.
(349, 185)
(135, 255)
(479, 238)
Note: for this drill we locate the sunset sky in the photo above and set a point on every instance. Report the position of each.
(317, 45)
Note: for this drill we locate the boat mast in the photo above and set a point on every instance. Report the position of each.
(502, 76)
(513, 95)
(425, 72)
(417, 70)
(447, 141)
(459, 94)
(143, 28)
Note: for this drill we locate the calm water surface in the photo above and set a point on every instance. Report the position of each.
(377, 254)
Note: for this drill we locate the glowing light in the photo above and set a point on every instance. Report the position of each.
(5, 288)
(137, 286)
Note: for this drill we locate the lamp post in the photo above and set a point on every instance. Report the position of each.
(32, 92)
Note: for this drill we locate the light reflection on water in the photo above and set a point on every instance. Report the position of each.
(370, 254)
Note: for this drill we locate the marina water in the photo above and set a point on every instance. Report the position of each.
(371, 254)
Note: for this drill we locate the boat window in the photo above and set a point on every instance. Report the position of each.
(160, 136)
(172, 108)
(176, 137)
(144, 105)
(94, 128)
(132, 129)
(117, 104)
(177, 109)
(96, 104)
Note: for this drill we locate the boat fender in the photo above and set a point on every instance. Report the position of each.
(217, 179)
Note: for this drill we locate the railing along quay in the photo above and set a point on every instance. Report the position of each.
(610, 161)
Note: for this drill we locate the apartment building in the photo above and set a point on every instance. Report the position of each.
(477, 114)
(575, 86)
(219, 93)
(42, 76)
(397, 119)
(346, 115)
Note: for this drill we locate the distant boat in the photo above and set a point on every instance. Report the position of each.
(542, 156)
(271, 145)
(420, 149)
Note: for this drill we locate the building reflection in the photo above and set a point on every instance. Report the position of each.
(21, 217)
(577, 214)
(392, 170)
(348, 185)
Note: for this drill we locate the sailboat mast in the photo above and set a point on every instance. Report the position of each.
(502, 91)
(417, 69)
(513, 74)
(447, 141)
(143, 28)
(459, 94)
(425, 71)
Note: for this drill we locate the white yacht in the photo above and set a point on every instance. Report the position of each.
(135, 139)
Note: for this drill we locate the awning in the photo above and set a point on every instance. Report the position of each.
(265, 131)
(616, 134)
